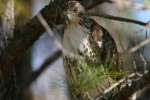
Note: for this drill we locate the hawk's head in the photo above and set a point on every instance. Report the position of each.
(74, 11)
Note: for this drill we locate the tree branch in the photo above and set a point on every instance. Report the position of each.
(121, 19)
(136, 85)
(44, 66)
(123, 93)
(89, 4)
(25, 36)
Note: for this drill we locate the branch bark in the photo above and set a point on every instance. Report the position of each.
(127, 91)
(25, 36)
(8, 83)
(6, 22)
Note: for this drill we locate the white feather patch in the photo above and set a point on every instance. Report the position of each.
(76, 38)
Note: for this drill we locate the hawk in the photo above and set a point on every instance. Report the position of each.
(92, 45)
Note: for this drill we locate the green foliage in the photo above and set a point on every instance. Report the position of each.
(87, 77)
(147, 3)
(2, 6)
(22, 11)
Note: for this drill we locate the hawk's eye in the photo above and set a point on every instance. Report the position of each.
(75, 9)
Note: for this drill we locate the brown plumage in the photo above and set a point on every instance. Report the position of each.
(87, 40)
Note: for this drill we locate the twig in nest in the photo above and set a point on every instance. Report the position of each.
(138, 46)
(107, 91)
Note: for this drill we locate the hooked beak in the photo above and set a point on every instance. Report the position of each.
(66, 16)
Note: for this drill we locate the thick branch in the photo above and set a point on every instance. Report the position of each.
(121, 19)
(6, 22)
(25, 36)
(8, 87)
(44, 66)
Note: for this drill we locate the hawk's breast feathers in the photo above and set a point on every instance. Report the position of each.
(82, 34)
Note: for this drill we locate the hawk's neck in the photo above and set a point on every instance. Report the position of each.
(75, 36)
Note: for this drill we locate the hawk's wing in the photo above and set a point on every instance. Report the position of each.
(101, 40)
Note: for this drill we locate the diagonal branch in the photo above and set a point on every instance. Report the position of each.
(136, 85)
(25, 36)
(126, 91)
(121, 19)
(44, 66)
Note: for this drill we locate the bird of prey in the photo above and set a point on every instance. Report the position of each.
(88, 42)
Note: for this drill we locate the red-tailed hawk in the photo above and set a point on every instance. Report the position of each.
(90, 42)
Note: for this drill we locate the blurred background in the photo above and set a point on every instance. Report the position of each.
(51, 85)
